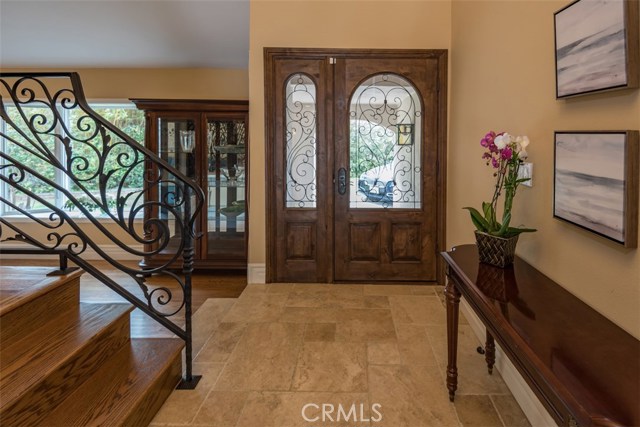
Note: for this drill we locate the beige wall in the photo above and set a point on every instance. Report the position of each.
(502, 78)
(332, 24)
(187, 83)
(192, 83)
(121, 84)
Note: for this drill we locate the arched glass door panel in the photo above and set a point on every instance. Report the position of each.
(385, 144)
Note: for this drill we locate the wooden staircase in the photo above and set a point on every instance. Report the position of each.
(67, 363)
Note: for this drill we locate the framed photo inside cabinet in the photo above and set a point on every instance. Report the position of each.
(596, 183)
(597, 46)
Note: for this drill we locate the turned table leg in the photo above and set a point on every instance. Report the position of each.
(453, 302)
(490, 352)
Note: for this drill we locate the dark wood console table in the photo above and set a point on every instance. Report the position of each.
(584, 369)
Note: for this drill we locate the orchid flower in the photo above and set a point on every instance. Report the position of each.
(505, 153)
(501, 141)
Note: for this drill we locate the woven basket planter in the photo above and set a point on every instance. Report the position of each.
(496, 250)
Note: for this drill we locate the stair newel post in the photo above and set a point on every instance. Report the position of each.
(189, 380)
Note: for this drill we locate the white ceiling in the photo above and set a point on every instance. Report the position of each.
(127, 34)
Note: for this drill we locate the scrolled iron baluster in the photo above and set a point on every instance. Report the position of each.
(98, 154)
(188, 230)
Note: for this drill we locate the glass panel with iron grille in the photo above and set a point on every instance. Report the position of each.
(385, 116)
(300, 133)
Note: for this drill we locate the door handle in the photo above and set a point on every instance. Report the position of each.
(342, 181)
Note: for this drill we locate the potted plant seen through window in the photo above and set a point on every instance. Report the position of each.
(497, 240)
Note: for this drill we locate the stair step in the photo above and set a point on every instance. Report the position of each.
(27, 298)
(38, 371)
(127, 390)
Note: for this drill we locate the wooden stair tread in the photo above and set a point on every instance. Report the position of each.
(66, 363)
(19, 285)
(26, 362)
(127, 390)
(30, 307)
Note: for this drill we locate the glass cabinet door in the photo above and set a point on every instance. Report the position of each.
(176, 145)
(226, 189)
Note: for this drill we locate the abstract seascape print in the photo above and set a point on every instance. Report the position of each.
(589, 181)
(590, 47)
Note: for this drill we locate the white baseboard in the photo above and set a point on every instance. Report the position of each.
(113, 251)
(534, 410)
(256, 273)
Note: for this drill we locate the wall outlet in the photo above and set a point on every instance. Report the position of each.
(526, 171)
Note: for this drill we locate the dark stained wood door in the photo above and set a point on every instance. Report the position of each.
(334, 215)
(386, 143)
(298, 176)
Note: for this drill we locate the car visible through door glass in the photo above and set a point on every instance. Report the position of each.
(376, 184)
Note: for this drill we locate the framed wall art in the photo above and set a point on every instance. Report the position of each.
(597, 46)
(596, 182)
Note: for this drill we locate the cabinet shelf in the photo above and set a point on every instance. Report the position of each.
(230, 149)
(226, 184)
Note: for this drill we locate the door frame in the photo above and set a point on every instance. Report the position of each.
(271, 55)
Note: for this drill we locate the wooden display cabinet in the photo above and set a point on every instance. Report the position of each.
(217, 162)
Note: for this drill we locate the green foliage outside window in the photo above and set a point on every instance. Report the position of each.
(369, 147)
(43, 117)
(129, 120)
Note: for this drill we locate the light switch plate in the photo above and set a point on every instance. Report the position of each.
(526, 171)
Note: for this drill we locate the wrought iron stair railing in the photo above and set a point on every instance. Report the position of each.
(89, 164)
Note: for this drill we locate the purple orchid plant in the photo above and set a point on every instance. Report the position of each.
(505, 153)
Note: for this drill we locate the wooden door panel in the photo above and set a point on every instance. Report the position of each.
(365, 241)
(407, 237)
(406, 242)
(299, 230)
(301, 241)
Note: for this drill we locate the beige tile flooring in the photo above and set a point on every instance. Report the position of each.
(360, 351)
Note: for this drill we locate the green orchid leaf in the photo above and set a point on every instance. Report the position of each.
(505, 225)
(477, 219)
(477, 224)
(487, 209)
(515, 230)
(489, 214)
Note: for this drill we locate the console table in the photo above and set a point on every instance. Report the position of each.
(584, 369)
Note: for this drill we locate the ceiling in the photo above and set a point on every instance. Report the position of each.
(124, 34)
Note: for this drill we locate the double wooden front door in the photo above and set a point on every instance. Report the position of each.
(355, 164)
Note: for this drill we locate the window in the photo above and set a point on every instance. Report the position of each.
(300, 113)
(384, 144)
(86, 151)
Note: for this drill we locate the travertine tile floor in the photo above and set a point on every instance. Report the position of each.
(281, 353)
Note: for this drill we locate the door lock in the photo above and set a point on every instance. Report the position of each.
(342, 181)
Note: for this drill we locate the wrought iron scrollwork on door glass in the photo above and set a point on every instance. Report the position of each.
(385, 130)
(300, 134)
